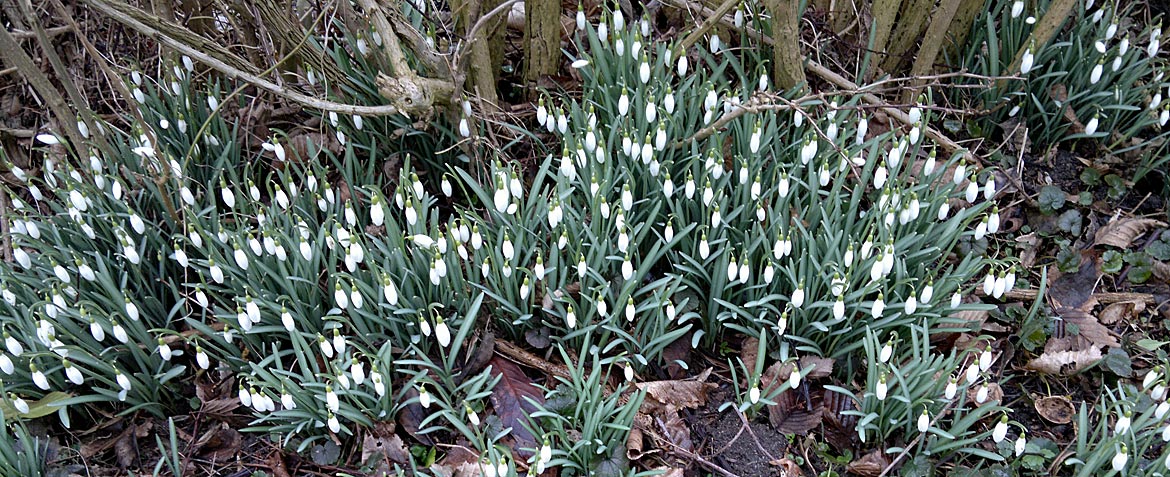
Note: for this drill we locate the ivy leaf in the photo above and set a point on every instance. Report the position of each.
(1051, 199)
(1119, 362)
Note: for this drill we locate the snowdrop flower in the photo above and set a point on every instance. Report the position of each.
(951, 390)
(1095, 75)
(981, 393)
(704, 247)
(668, 100)
(201, 358)
(472, 417)
(38, 377)
(923, 421)
(1026, 62)
(973, 372)
(808, 151)
(1020, 445)
(424, 398)
(881, 389)
(1001, 428)
(442, 332)
(972, 192)
(1120, 458)
(682, 63)
(119, 332)
(1151, 377)
(164, 350)
(1123, 422)
(839, 308)
(334, 424)
(1017, 8)
(1091, 127)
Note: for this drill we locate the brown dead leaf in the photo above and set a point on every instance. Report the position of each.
(1088, 327)
(634, 444)
(994, 393)
(1055, 409)
(671, 396)
(1162, 270)
(1122, 310)
(679, 350)
(1064, 363)
(412, 415)
(748, 352)
(1073, 290)
(513, 398)
(677, 432)
(1015, 134)
(839, 427)
(792, 414)
(870, 465)
(788, 467)
(382, 448)
(1059, 94)
(220, 443)
(1121, 232)
(1029, 243)
(125, 450)
(815, 367)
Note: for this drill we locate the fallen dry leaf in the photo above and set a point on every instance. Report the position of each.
(1055, 409)
(382, 448)
(994, 393)
(748, 353)
(220, 443)
(839, 427)
(677, 432)
(1121, 232)
(671, 396)
(788, 467)
(1088, 327)
(1064, 363)
(869, 465)
(1028, 243)
(513, 400)
(793, 414)
(815, 367)
(1122, 310)
(1073, 290)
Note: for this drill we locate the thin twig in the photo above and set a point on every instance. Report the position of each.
(675, 449)
(303, 99)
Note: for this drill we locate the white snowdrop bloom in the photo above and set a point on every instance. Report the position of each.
(38, 377)
(881, 389)
(668, 101)
(951, 389)
(923, 421)
(1159, 412)
(704, 247)
(1091, 127)
(973, 372)
(120, 332)
(981, 229)
(442, 332)
(1026, 63)
(1120, 459)
(879, 307)
(911, 305)
(334, 424)
(972, 191)
(1000, 431)
(808, 151)
(1095, 75)
(1123, 423)
(254, 244)
(240, 257)
(943, 211)
(630, 309)
(73, 373)
(798, 296)
(358, 370)
(355, 297)
(879, 177)
(1017, 8)
(201, 358)
(839, 308)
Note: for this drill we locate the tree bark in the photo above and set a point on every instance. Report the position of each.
(542, 41)
(787, 62)
(962, 24)
(884, 13)
(480, 67)
(911, 23)
(932, 43)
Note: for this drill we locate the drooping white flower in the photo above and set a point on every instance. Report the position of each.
(881, 389)
(1120, 458)
(442, 332)
(1001, 428)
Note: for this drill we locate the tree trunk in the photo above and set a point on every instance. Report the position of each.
(932, 43)
(788, 64)
(911, 23)
(542, 41)
(884, 13)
